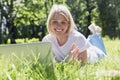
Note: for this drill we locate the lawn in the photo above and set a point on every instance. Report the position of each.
(105, 69)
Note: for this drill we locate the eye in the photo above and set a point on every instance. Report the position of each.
(63, 22)
(54, 22)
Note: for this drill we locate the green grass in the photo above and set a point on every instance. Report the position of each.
(33, 70)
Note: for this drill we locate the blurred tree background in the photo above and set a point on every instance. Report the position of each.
(27, 18)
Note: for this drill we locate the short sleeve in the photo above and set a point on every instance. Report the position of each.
(47, 38)
(82, 43)
(44, 39)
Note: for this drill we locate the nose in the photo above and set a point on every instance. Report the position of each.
(58, 24)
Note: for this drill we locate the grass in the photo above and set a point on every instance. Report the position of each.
(105, 69)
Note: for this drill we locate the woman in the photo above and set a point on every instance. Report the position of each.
(65, 39)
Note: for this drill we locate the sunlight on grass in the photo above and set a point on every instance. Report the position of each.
(105, 69)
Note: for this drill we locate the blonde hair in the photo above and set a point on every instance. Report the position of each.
(61, 9)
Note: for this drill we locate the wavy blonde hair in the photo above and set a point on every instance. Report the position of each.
(60, 9)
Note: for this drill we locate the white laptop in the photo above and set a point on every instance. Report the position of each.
(16, 53)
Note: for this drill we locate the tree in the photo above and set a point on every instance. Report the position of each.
(77, 9)
(90, 5)
(82, 13)
(7, 18)
(109, 17)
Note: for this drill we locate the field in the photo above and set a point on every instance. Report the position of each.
(105, 69)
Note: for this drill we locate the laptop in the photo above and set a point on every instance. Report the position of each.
(26, 52)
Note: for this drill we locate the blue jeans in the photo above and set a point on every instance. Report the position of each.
(96, 40)
(97, 51)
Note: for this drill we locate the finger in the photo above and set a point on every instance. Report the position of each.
(76, 53)
(73, 47)
(72, 52)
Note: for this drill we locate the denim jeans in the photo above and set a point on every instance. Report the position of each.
(96, 40)
(97, 51)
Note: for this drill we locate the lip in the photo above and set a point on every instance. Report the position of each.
(58, 30)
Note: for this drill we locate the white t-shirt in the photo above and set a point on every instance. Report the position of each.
(60, 52)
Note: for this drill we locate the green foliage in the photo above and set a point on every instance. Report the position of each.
(25, 40)
(84, 13)
(27, 18)
(33, 70)
(109, 16)
(30, 12)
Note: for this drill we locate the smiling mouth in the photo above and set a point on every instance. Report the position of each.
(58, 30)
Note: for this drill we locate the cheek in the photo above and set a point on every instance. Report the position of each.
(52, 29)
(67, 28)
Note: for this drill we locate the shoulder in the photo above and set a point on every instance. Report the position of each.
(77, 35)
(81, 41)
(47, 38)
(79, 38)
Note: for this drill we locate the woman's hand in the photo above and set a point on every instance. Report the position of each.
(76, 55)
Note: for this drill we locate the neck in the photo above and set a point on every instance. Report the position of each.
(62, 40)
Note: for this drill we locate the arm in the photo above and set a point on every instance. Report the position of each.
(75, 53)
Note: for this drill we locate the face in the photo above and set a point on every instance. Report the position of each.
(59, 25)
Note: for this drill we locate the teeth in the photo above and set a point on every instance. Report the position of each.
(58, 30)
